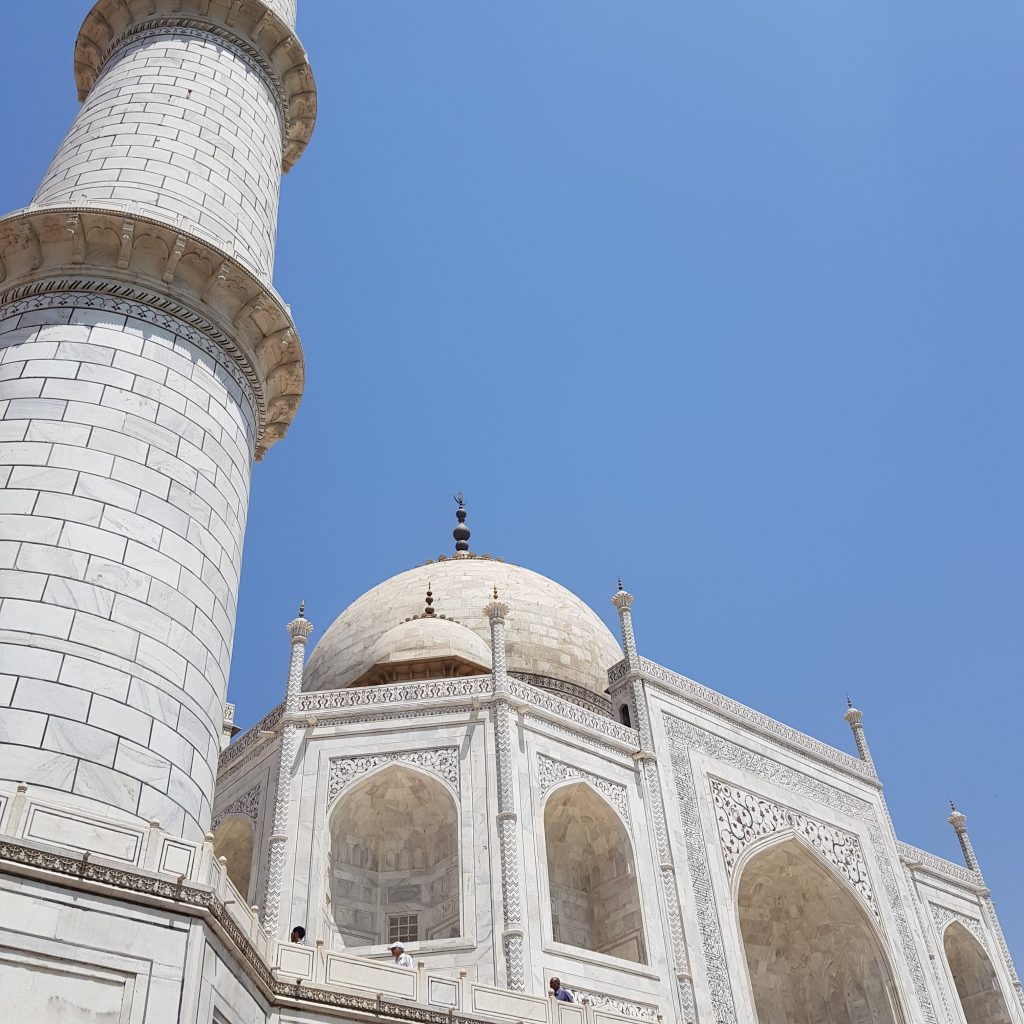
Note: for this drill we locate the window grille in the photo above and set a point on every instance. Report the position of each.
(403, 927)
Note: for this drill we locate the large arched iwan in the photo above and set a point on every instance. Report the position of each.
(812, 950)
(595, 901)
(974, 977)
(394, 860)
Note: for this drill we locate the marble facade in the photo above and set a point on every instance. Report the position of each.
(470, 761)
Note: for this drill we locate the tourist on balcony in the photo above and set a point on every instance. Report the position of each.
(402, 959)
(561, 993)
(299, 935)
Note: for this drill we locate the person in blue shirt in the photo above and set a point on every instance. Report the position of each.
(561, 993)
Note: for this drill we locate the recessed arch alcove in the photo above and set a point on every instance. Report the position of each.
(233, 840)
(974, 977)
(813, 953)
(595, 901)
(394, 859)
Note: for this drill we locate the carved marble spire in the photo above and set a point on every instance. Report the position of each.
(623, 601)
(959, 822)
(496, 612)
(291, 731)
(856, 720)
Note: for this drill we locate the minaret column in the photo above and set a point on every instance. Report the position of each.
(145, 362)
(507, 817)
(291, 732)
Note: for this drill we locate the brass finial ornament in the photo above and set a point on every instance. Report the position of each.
(849, 703)
(429, 610)
(620, 583)
(461, 532)
(302, 609)
(495, 591)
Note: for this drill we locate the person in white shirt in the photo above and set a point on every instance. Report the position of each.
(402, 959)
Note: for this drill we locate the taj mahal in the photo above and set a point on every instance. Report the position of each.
(468, 762)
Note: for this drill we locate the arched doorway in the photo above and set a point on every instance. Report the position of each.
(974, 977)
(233, 840)
(595, 903)
(394, 860)
(813, 954)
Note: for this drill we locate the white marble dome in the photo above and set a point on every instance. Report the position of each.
(550, 632)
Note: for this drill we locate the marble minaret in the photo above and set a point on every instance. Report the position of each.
(145, 362)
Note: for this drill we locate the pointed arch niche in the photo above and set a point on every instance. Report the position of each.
(974, 977)
(813, 953)
(394, 860)
(233, 840)
(595, 901)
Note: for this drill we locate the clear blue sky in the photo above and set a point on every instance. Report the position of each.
(721, 297)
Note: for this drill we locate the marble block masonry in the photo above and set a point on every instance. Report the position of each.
(145, 361)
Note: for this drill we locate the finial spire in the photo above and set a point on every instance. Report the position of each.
(429, 609)
(495, 591)
(849, 703)
(952, 806)
(461, 532)
(302, 609)
(620, 583)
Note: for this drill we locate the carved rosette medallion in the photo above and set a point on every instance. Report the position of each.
(442, 762)
(553, 772)
(744, 817)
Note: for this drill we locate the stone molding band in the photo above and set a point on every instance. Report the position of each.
(118, 257)
(268, 44)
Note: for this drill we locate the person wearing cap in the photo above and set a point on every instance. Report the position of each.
(402, 959)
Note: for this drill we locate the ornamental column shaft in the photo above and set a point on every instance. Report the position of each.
(651, 776)
(145, 361)
(291, 732)
(507, 818)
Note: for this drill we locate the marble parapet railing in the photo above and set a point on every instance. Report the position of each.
(733, 710)
(144, 864)
(920, 860)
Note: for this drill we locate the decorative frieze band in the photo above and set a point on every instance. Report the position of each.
(637, 1011)
(553, 772)
(440, 761)
(938, 865)
(744, 817)
(732, 709)
(396, 693)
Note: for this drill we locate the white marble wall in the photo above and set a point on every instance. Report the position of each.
(125, 458)
(184, 127)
